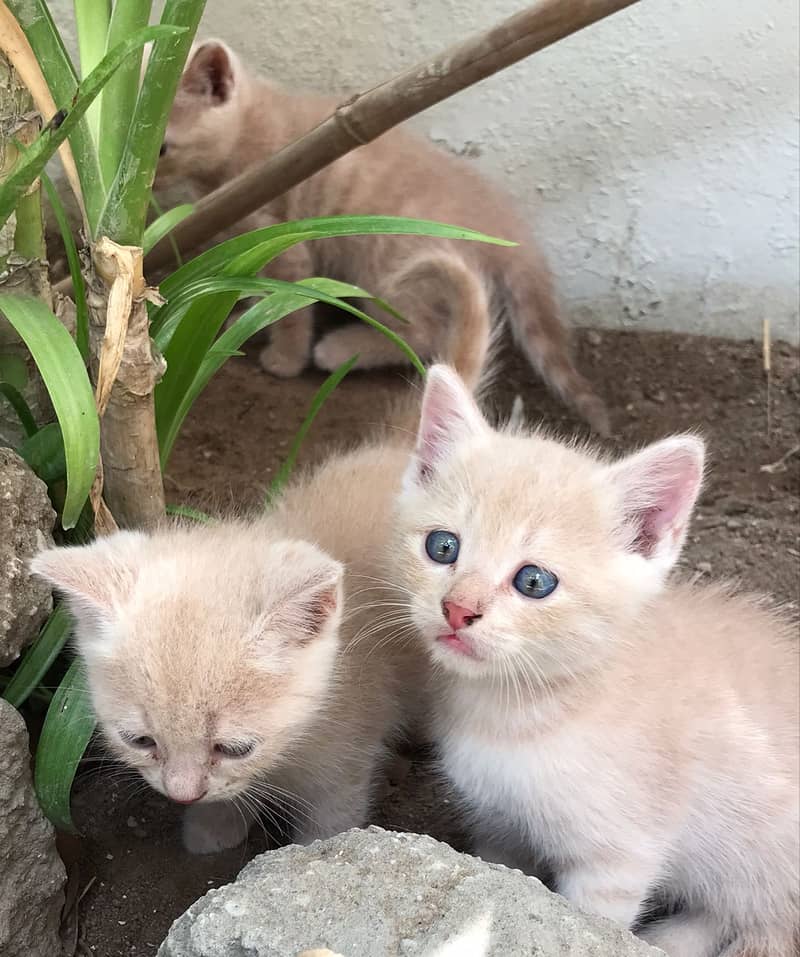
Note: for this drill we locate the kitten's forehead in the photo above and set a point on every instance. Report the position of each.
(520, 487)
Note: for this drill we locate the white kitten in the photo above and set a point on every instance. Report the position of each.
(636, 738)
(216, 669)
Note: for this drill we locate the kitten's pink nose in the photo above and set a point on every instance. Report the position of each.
(187, 799)
(458, 616)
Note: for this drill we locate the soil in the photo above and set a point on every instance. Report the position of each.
(747, 528)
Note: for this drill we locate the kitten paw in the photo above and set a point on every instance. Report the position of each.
(281, 364)
(329, 353)
(209, 828)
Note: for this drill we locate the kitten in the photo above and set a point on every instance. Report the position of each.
(224, 119)
(220, 661)
(636, 739)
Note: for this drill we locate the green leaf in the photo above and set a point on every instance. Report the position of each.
(120, 95)
(44, 453)
(73, 259)
(14, 371)
(276, 239)
(68, 728)
(209, 306)
(186, 511)
(165, 223)
(64, 374)
(20, 406)
(39, 657)
(316, 404)
(125, 211)
(91, 21)
(35, 158)
(59, 72)
(258, 317)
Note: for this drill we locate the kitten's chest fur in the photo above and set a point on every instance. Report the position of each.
(549, 781)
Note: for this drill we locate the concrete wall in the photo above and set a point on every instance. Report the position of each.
(656, 152)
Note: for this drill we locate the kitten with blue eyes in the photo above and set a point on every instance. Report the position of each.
(634, 739)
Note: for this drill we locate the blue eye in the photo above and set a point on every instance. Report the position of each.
(442, 547)
(534, 582)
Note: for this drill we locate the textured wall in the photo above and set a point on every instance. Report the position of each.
(657, 151)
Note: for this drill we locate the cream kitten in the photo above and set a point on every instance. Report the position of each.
(216, 667)
(224, 119)
(637, 739)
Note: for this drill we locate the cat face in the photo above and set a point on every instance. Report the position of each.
(519, 553)
(206, 118)
(207, 650)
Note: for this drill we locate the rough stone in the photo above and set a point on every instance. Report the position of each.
(26, 525)
(373, 893)
(31, 873)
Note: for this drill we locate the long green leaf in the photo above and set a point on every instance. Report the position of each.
(91, 21)
(171, 315)
(257, 317)
(120, 95)
(44, 453)
(123, 217)
(39, 657)
(210, 263)
(64, 374)
(45, 40)
(73, 259)
(13, 371)
(67, 730)
(316, 404)
(20, 406)
(165, 223)
(39, 152)
(186, 511)
(202, 321)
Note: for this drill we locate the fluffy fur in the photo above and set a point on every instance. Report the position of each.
(636, 740)
(224, 119)
(231, 636)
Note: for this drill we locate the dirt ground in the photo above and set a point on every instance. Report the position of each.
(747, 528)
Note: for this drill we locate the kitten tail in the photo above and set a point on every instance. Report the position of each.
(540, 333)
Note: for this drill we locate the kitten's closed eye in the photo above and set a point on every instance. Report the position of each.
(238, 749)
(141, 741)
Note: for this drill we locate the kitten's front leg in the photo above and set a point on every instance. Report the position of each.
(611, 889)
(686, 935)
(215, 826)
(289, 349)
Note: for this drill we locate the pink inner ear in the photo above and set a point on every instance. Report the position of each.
(449, 415)
(662, 486)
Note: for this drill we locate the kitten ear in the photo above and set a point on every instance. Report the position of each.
(304, 596)
(449, 417)
(658, 489)
(93, 578)
(211, 72)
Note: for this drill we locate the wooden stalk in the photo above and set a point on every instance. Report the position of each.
(126, 369)
(368, 115)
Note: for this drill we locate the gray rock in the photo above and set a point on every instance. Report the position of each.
(31, 873)
(373, 893)
(26, 525)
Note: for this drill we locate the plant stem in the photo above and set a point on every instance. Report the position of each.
(125, 212)
(368, 115)
(119, 96)
(134, 489)
(22, 253)
(34, 18)
(92, 19)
